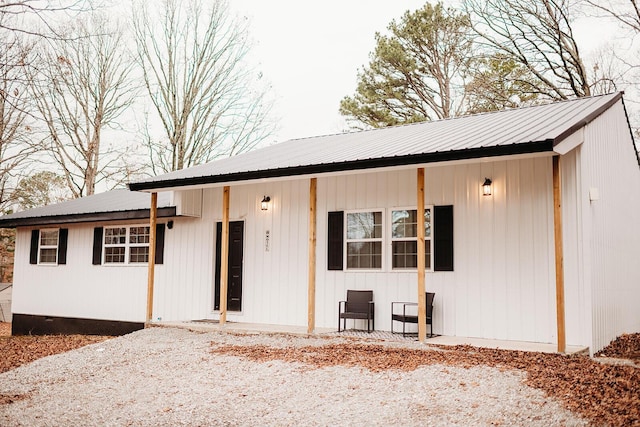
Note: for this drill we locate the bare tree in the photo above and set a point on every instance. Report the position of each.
(626, 12)
(81, 89)
(538, 35)
(15, 129)
(191, 54)
(35, 17)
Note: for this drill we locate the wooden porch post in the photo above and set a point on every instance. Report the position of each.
(557, 230)
(153, 212)
(311, 320)
(422, 303)
(224, 256)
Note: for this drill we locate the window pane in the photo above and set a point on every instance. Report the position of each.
(48, 237)
(364, 255)
(427, 254)
(427, 223)
(139, 235)
(364, 225)
(48, 256)
(404, 223)
(115, 236)
(139, 254)
(405, 254)
(113, 255)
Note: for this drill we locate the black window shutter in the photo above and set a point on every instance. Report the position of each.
(159, 244)
(63, 235)
(443, 238)
(33, 252)
(97, 245)
(335, 242)
(216, 300)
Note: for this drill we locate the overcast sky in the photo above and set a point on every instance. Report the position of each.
(311, 53)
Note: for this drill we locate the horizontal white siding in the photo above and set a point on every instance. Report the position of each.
(611, 227)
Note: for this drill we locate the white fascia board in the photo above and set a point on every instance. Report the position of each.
(570, 142)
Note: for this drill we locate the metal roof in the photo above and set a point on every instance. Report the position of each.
(113, 205)
(517, 131)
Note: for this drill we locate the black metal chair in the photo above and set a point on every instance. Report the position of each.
(359, 305)
(412, 317)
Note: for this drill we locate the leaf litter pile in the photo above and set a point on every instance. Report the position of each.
(20, 350)
(606, 394)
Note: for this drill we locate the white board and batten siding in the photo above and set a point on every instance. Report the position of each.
(502, 285)
(274, 272)
(78, 289)
(602, 190)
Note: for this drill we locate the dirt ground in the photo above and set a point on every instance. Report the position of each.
(604, 389)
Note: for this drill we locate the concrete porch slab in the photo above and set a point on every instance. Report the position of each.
(213, 325)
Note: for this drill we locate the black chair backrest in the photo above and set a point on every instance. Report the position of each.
(358, 301)
(430, 297)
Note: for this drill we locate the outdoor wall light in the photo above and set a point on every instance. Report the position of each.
(264, 205)
(486, 187)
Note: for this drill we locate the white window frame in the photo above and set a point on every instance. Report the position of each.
(41, 246)
(137, 244)
(381, 239)
(127, 245)
(392, 239)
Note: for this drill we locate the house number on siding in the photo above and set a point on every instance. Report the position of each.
(267, 240)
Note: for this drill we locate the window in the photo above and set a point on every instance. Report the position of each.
(364, 240)
(404, 238)
(126, 245)
(139, 244)
(48, 248)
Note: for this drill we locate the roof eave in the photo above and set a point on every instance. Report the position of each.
(166, 212)
(588, 119)
(424, 158)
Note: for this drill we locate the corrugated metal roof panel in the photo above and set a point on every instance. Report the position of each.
(510, 128)
(114, 201)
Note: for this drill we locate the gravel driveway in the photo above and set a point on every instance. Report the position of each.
(169, 377)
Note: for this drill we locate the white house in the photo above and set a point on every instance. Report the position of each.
(341, 213)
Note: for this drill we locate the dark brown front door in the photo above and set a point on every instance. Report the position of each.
(234, 284)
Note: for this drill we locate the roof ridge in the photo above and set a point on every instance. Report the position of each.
(482, 113)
